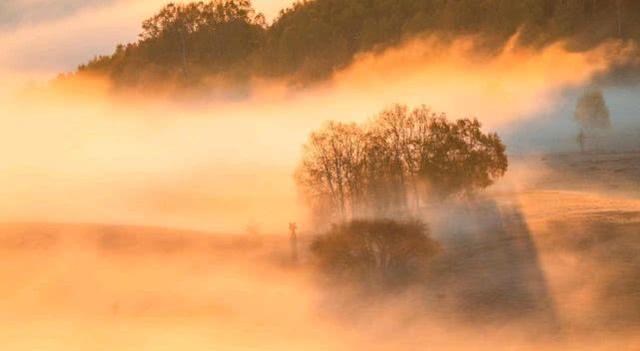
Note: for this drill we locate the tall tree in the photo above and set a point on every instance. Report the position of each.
(376, 169)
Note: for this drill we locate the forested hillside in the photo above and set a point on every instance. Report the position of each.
(228, 41)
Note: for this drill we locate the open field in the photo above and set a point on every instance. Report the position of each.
(552, 264)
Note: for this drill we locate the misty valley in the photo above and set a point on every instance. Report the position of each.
(320, 175)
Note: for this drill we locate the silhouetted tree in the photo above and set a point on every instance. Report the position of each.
(378, 169)
(187, 43)
(331, 168)
(448, 157)
(377, 251)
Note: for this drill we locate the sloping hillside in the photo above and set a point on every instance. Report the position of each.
(226, 41)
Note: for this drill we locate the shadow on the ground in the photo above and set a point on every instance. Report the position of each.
(490, 271)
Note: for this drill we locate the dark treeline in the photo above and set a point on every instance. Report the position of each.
(228, 41)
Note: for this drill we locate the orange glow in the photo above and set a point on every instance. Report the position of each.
(86, 155)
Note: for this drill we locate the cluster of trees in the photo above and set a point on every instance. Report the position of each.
(228, 40)
(186, 44)
(395, 163)
(382, 252)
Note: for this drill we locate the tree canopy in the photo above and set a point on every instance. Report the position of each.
(227, 39)
(396, 163)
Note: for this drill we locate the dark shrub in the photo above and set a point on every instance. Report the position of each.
(387, 252)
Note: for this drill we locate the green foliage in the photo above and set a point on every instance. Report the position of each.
(309, 40)
(385, 252)
(396, 163)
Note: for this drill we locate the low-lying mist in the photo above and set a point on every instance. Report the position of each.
(81, 153)
(537, 263)
(538, 283)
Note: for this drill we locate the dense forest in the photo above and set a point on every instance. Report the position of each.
(227, 41)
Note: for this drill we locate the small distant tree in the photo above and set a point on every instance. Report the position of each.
(592, 112)
(383, 252)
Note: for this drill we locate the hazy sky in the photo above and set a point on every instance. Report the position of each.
(50, 36)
